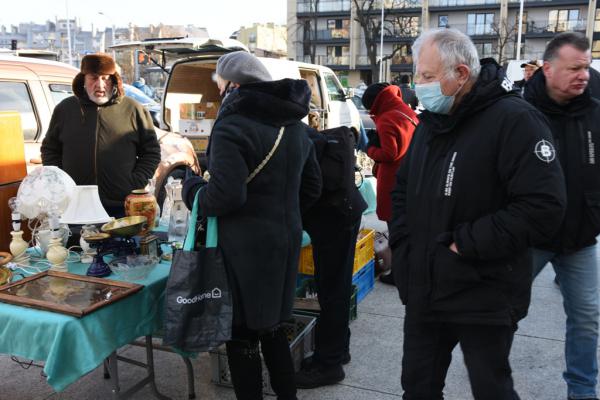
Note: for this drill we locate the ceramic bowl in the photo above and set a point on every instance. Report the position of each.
(135, 267)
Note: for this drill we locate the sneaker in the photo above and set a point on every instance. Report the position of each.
(387, 279)
(317, 375)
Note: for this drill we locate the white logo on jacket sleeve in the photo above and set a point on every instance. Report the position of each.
(450, 176)
(507, 84)
(544, 150)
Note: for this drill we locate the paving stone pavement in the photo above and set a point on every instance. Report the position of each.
(373, 374)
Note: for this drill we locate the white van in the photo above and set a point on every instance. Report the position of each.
(191, 99)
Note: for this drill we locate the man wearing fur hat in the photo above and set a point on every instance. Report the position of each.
(100, 137)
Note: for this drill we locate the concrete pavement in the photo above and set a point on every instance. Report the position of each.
(373, 374)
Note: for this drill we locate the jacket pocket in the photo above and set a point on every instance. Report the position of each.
(450, 273)
(400, 270)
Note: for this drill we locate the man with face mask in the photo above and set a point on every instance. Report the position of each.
(562, 93)
(478, 186)
(100, 137)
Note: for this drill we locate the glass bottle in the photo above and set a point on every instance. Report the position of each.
(179, 216)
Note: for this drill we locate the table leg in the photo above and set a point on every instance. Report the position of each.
(149, 379)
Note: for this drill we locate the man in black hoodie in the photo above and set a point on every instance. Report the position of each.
(561, 92)
(478, 187)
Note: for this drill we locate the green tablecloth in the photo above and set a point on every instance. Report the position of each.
(72, 347)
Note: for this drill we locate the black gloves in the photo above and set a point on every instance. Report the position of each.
(190, 188)
(373, 138)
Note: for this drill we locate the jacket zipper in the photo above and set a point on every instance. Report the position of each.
(96, 145)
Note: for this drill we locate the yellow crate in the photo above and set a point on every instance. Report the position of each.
(365, 251)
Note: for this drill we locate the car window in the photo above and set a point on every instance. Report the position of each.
(333, 88)
(60, 91)
(14, 96)
(357, 100)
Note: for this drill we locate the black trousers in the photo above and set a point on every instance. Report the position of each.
(245, 366)
(333, 240)
(428, 352)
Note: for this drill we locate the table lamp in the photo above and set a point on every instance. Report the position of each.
(85, 209)
(18, 246)
(45, 194)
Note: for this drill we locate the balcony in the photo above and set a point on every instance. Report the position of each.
(476, 30)
(331, 6)
(462, 3)
(328, 60)
(546, 28)
(399, 35)
(333, 35)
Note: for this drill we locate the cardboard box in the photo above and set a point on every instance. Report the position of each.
(196, 126)
(199, 111)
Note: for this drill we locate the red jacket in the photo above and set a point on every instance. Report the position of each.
(395, 131)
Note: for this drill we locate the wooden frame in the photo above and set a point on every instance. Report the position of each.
(59, 292)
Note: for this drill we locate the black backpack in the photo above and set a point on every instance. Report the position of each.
(337, 159)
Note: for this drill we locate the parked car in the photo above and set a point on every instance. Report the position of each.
(34, 87)
(191, 99)
(365, 117)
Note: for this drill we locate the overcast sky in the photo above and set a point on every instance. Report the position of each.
(221, 17)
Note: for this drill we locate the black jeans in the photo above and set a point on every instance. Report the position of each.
(334, 242)
(245, 364)
(428, 352)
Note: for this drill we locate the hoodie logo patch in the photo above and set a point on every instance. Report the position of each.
(591, 149)
(506, 84)
(544, 150)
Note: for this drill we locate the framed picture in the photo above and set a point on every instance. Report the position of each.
(66, 293)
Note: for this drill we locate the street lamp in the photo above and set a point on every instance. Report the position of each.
(112, 40)
(381, 45)
(520, 30)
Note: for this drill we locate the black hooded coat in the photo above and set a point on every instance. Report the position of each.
(575, 129)
(259, 223)
(484, 178)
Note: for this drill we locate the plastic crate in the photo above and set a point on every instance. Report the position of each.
(365, 251)
(306, 301)
(364, 280)
(301, 335)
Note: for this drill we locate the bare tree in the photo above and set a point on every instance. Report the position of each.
(308, 26)
(395, 24)
(506, 34)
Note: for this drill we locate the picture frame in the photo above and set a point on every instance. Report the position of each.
(66, 293)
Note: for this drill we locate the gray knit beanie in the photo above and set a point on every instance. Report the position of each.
(242, 67)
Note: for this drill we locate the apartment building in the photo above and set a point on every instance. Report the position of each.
(264, 40)
(327, 31)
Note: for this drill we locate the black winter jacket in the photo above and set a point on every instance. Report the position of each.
(259, 223)
(576, 131)
(483, 178)
(113, 145)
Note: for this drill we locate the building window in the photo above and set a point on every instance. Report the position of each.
(338, 55)
(480, 24)
(338, 29)
(402, 27)
(596, 48)
(484, 49)
(597, 21)
(524, 25)
(563, 20)
(443, 21)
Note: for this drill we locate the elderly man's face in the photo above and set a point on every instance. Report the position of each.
(430, 69)
(568, 74)
(99, 88)
(528, 72)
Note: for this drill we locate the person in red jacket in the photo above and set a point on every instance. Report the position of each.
(395, 123)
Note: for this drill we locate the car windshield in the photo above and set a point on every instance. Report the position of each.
(138, 95)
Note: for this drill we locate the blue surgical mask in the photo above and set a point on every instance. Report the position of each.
(432, 98)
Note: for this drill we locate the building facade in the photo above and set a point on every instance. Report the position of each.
(328, 32)
(264, 40)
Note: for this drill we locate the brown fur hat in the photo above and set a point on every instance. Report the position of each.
(101, 64)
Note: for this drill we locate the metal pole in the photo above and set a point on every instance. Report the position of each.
(520, 31)
(381, 46)
(69, 33)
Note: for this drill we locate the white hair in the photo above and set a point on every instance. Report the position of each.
(454, 48)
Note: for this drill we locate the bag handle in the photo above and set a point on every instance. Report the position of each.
(267, 158)
(211, 228)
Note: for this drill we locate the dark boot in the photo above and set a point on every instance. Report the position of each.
(246, 369)
(276, 352)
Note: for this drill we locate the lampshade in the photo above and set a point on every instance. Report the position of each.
(43, 190)
(85, 207)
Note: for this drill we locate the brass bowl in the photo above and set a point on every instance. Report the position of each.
(126, 227)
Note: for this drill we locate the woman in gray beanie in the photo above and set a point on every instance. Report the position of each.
(259, 224)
